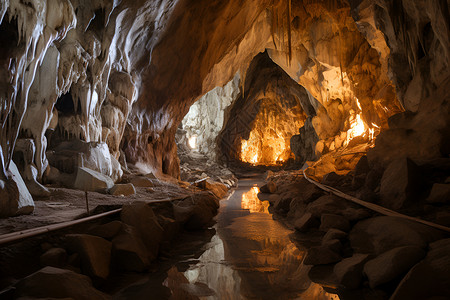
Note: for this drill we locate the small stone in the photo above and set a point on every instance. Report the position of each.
(306, 222)
(440, 193)
(328, 221)
(391, 264)
(126, 189)
(54, 257)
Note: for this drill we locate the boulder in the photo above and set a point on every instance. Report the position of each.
(51, 282)
(94, 252)
(269, 187)
(380, 234)
(429, 279)
(15, 199)
(106, 231)
(334, 245)
(141, 216)
(90, 180)
(349, 271)
(332, 179)
(362, 167)
(126, 189)
(440, 193)
(196, 212)
(306, 222)
(170, 226)
(400, 184)
(217, 188)
(321, 255)
(392, 264)
(140, 181)
(54, 257)
(332, 234)
(129, 252)
(328, 221)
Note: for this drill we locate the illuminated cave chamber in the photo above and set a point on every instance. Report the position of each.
(269, 111)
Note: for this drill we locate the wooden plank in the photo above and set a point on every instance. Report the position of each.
(372, 206)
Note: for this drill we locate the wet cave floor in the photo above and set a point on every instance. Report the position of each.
(245, 255)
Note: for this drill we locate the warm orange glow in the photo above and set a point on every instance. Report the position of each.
(359, 128)
(251, 202)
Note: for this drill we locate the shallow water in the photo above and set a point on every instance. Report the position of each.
(249, 257)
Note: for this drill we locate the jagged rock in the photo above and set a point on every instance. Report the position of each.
(269, 187)
(362, 167)
(106, 231)
(217, 188)
(95, 254)
(51, 282)
(335, 245)
(321, 255)
(323, 275)
(284, 203)
(126, 189)
(14, 196)
(196, 212)
(349, 271)
(129, 252)
(401, 184)
(90, 180)
(141, 216)
(429, 279)
(332, 234)
(380, 234)
(306, 222)
(330, 204)
(54, 257)
(440, 193)
(140, 181)
(332, 179)
(170, 227)
(328, 221)
(392, 264)
(274, 199)
(303, 145)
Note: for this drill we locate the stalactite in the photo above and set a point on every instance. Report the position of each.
(289, 30)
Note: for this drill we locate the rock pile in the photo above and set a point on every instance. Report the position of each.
(361, 253)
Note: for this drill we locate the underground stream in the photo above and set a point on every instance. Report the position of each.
(249, 256)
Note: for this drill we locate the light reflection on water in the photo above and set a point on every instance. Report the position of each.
(251, 202)
(250, 257)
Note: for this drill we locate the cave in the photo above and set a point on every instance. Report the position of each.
(225, 149)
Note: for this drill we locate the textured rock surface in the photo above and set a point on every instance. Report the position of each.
(51, 282)
(95, 254)
(392, 264)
